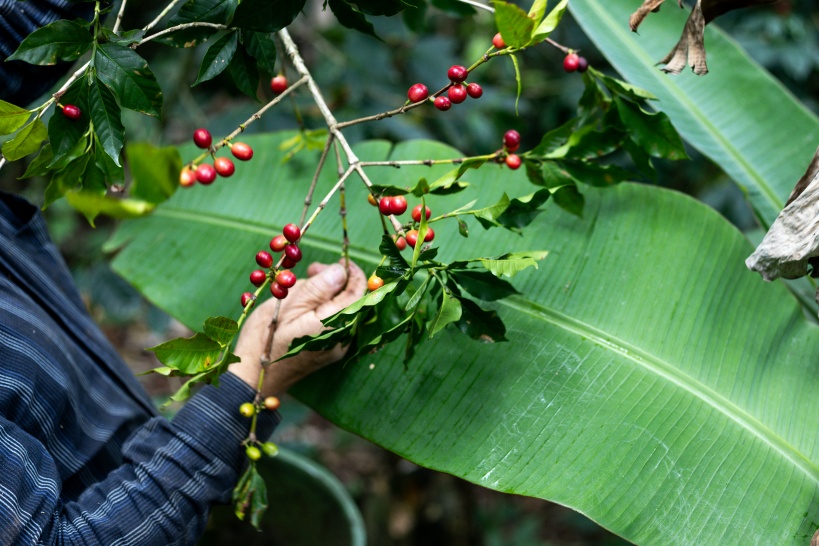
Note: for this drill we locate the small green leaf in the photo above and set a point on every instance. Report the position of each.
(390, 250)
(107, 118)
(488, 216)
(217, 58)
(351, 18)
(653, 132)
(523, 210)
(483, 284)
(450, 311)
(250, 496)
(189, 356)
(92, 203)
(518, 80)
(129, 77)
(463, 229)
(621, 88)
(27, 141)
(221, 329)
(550, 22)
(514, 25)
(113, 174)
(262, 47)
(538, 10)
(129, 37)
(60, 40)
(155, 171)
(479, 323)
(66, 179)
(553, 140)
(415, 299)
(371, 299)
(266, 16)
(512, 263)
(12, 117)
(39, 165)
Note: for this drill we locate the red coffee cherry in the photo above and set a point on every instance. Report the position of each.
(429, 235)
(291, 232)
(511, 140)
(264, 259)
(278, 84)
(443, 103)
(457, 94)
(513, 161)
(202, 138)
(241, 151)
(246, 298)
(412, 237)
(72, 111)
(416, 213)
(398, 205)
(457, 73)
(278, 243)
(385, 205)
(498, 42)
(400, 242)
(287, 263)
(474, 90)
(286, 278)
(293, 252)
(279, 292)
(571, 62)
(258, 277)
(224, 166)
(205, 173)
(187, 177)
(417, 92)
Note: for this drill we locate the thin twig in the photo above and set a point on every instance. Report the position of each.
(118, 22)
(159, 17)
(178, 28)
(478, 5)
(308, 200)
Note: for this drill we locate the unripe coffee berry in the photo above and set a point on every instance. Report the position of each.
(202, 138)
(271, 403)
(571, 62)
(286, 278)
(205, 173)
(385, 205)
(291, 232)
(457, 73)
(253, 453)
(72, 111)
(398, 205)
(416, 213)
(293, 253)
(498, 42)
(582, 64)
(187, 177)
(247, 297)
(474, 90)
(224, 166)
(278, 84)
(278, 243)
(417, 92)
(264, 259)
(374, 283)
(412, 237)
(247, 409)
(279, 292)
(258, 277)
(241, 151)
(457, 94)
(429, 235)
(443, 103)
(511, 140)
(372, 200)
(270, 449)
(513, 161)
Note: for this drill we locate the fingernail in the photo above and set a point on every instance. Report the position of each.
(335, 275)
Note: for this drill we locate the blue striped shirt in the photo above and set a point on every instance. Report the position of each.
(84, 456)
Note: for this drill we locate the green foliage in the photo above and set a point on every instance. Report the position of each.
(26, 141)
(12, 117)
(128, 76)
(60, 40)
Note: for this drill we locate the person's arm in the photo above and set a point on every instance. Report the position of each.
(23, 83)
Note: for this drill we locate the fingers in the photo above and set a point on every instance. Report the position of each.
(310, 293)
(355, 288)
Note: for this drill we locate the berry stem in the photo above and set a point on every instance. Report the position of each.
(164, 12)
(428, 162)
(308, 199)
(118, 22)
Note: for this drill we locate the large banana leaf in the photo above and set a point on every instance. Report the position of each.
(738, 115)
(650, 381)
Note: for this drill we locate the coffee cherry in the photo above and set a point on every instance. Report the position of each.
(241, 151)
(571, 62)
(474, 90)
(457, 73)
(287, 263)
(412, 237)
(398, 205)
(511, 140)
(278, 243)
(253, 453)
(400, 242)
(224, 166)
(457, 94)
(372, 200)
(246, 298)
(293, 252)
(278, 84)
(443, 103)
(187, 177)
(72, 111)
(258, 277)
(582, 64)
(498, 42)
(279, 292)
(286, 278)
(205, 173)
(291, 232)
(270, 449)
(271, 403)
(374, 283)
(264, 259)
(247, 409)
(429, 235)
(416, 213)
(417, 92)
(202, 138)
(513, 161)
(385, 206)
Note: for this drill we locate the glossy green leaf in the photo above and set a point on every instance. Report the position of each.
(481, 324)
(188, 355)
(483, 284)
(67, 178)
(39, 165)
(107, 118)
(652, 131)
(12, 117)
(221, 329)
(129, 77)
(351, 18)
(650, 381)
(550, 22)
(514, 25)
(266, 16)
(262, 47)
(217, 58)
(449, 312)
(155, 171)
(26, 141)
(715, 114)
(244, 72)
(65, 134)
(538, 10)
(61, 40)
(512, 263)
(92, 204)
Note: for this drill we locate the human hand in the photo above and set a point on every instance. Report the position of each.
(328, 289)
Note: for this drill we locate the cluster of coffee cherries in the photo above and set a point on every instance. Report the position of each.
(511, 143)
(248, 409)
(205, 173)
(575, 63)
(283, 278)
(456, 92)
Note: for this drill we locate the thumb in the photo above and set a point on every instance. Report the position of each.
(310, 293)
